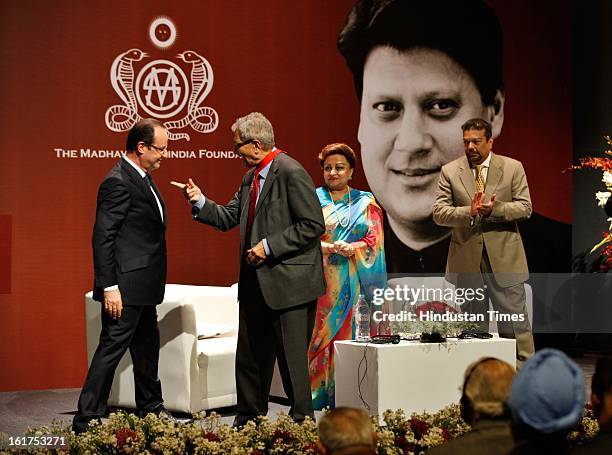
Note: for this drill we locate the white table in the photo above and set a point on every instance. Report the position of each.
(412, 376)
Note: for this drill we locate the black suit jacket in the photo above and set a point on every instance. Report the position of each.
(129, 245)
(288, 215)
(488, 437)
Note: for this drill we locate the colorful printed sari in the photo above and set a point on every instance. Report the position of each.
(346, 277)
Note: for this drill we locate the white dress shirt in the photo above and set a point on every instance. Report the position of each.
(263, 174)
(485, 169)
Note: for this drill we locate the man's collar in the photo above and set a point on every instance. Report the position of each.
(487, 162)
(264, 172)
(135, 166)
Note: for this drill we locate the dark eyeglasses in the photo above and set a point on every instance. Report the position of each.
(159, 149)
(239, 145)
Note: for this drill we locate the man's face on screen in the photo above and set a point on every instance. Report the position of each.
(413, 105)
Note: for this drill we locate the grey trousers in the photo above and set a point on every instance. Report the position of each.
(506, 301)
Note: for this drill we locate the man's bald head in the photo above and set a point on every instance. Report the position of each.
(346, 430)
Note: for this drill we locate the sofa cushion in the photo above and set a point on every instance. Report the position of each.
(212, 329)
(216, 350)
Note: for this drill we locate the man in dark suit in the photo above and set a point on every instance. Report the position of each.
(129, 249)
(281, 267)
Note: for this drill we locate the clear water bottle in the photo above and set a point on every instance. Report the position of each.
(362, 315)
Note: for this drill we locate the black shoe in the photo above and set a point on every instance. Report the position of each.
(160, 411)
(164, 413)
(241, 420)
(80, 426)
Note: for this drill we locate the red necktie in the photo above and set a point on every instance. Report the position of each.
(255, 192)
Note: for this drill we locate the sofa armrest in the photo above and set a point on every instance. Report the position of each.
(211, 304)
(178, 358)
(178, 316)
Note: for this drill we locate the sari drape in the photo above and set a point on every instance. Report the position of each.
(346, 277)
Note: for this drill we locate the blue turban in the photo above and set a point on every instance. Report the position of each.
(548, 392)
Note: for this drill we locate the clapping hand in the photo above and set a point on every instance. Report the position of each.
(343, 248)
(485, 209)
(479, 207)
(191, 192)
(328, 248)
(476, 202)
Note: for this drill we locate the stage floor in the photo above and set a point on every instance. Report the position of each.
(35, 408)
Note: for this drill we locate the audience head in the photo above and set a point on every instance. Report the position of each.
(547, 397)
(485, 390)
(346, 431)
(601, 392)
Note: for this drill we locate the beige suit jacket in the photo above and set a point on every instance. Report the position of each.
(498, 232)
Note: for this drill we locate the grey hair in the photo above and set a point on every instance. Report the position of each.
(486, 387)
(345, 427)
(255, 126)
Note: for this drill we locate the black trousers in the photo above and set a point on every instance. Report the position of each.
(266, 335)
(137, 330)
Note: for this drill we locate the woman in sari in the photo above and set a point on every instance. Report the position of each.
(354, 263)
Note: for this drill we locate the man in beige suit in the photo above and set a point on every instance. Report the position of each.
(482, 196)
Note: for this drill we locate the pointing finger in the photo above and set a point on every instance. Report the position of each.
(178, 185)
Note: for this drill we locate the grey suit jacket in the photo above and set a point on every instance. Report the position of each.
(288, 215)
(498, 232)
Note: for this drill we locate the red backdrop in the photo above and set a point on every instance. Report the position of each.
(273, 56)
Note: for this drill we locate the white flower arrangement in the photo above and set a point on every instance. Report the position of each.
(604, 164)
(602, 198)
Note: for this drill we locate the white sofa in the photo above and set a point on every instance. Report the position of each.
(196, 374)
